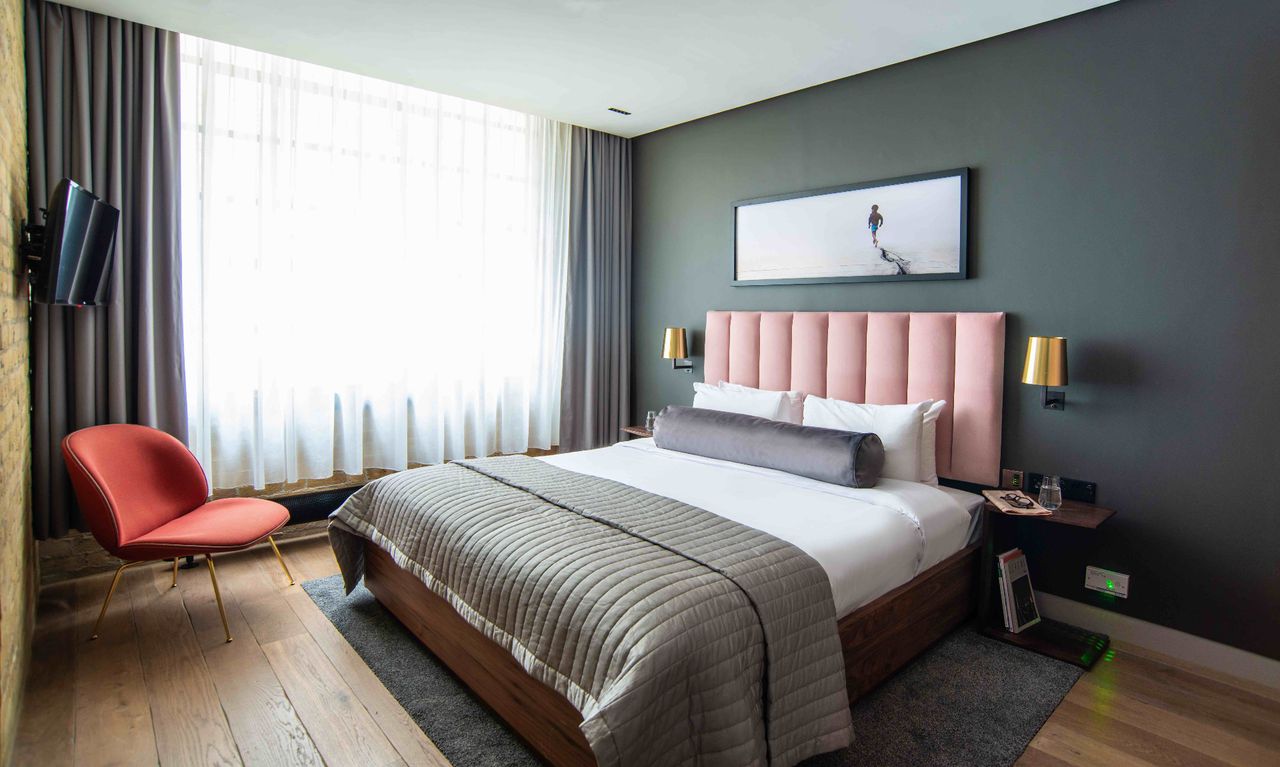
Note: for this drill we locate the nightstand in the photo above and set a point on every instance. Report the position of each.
(1049, 637)
(636, 431)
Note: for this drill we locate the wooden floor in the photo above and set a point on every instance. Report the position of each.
(162, 686)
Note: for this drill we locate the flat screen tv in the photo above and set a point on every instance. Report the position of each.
(75, 249)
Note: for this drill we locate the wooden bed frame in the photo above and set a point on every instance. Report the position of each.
(878, 639)
(882, 357)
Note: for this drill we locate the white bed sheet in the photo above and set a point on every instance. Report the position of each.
(972, 504)
(869, 541)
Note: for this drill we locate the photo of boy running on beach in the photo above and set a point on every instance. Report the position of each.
(838, 233)
(874, 222)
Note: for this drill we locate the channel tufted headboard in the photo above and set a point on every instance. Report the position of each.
(882, 358)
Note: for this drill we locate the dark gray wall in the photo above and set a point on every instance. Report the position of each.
(1125, 195)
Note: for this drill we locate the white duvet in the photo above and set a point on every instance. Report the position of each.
(869, 541)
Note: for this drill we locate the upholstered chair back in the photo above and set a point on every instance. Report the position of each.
(130, 479)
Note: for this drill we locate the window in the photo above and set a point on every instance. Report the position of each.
(373, 274)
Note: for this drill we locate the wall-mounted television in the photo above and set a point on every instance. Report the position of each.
(70, 256)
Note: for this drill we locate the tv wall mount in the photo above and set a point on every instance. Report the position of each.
(31, 246)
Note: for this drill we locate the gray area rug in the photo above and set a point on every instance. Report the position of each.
(967, 701)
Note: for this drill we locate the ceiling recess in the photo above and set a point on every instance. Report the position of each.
(669, 61)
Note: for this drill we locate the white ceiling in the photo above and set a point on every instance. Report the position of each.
(666, 61)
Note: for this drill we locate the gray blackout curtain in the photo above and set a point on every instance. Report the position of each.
(595, 400)
(102, 109)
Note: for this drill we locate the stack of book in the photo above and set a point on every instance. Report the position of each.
(1016, 596)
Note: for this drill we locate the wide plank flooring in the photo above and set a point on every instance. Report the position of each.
(162, 687)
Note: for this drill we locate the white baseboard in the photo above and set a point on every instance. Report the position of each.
(1245, 668)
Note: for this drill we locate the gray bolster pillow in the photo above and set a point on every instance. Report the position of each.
(839, 457)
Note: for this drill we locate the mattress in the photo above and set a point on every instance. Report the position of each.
(868, 540)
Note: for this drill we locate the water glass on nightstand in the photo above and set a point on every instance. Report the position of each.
(1050, 493)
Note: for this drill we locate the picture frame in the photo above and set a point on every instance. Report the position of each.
(822, 236)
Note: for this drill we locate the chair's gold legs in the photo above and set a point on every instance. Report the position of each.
(175, 573)
(217, 595)
(280, 559)
(111, 591)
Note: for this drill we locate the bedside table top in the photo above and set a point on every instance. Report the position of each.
(1072, 513)
(638, 431)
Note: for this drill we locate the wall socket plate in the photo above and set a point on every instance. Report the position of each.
(1011, 479)
(1106, 581)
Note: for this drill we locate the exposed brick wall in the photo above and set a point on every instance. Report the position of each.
(17, 575)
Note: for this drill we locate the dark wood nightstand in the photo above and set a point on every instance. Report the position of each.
(636, 431)
(1049, 637)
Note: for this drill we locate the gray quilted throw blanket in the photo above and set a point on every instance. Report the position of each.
(682, 637)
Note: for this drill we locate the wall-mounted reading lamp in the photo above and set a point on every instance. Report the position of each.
(1046, 366)
(675, 347)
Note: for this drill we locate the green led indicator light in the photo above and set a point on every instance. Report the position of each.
(1110, 584)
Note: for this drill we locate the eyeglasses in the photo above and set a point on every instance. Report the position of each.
(1018, 501)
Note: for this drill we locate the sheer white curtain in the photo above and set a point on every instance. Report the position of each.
(374, 275)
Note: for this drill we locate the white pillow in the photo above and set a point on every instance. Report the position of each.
(929, 442)
(900, 427)
(785, 406)
(791, 410)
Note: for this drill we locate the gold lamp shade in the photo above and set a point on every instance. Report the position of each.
(1046, 363)
(674, 344)
(675, 347)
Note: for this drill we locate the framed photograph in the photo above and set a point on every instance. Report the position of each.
(908, 228)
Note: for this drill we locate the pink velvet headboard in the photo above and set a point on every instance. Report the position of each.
(882, 358)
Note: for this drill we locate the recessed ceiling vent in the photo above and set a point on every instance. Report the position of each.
(619, 111)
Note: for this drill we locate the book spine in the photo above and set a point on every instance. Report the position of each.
(1006, 597)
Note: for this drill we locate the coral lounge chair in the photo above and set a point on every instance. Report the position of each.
(143, 494)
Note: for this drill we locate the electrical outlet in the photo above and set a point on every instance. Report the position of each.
(1011, 479)
(1106, 581)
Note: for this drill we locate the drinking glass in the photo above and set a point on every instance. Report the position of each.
(1050, 493)
(649, 418)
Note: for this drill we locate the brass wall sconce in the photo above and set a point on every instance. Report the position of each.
(1046, 365)
(675, 347)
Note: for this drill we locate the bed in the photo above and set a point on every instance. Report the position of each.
(898, 561)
